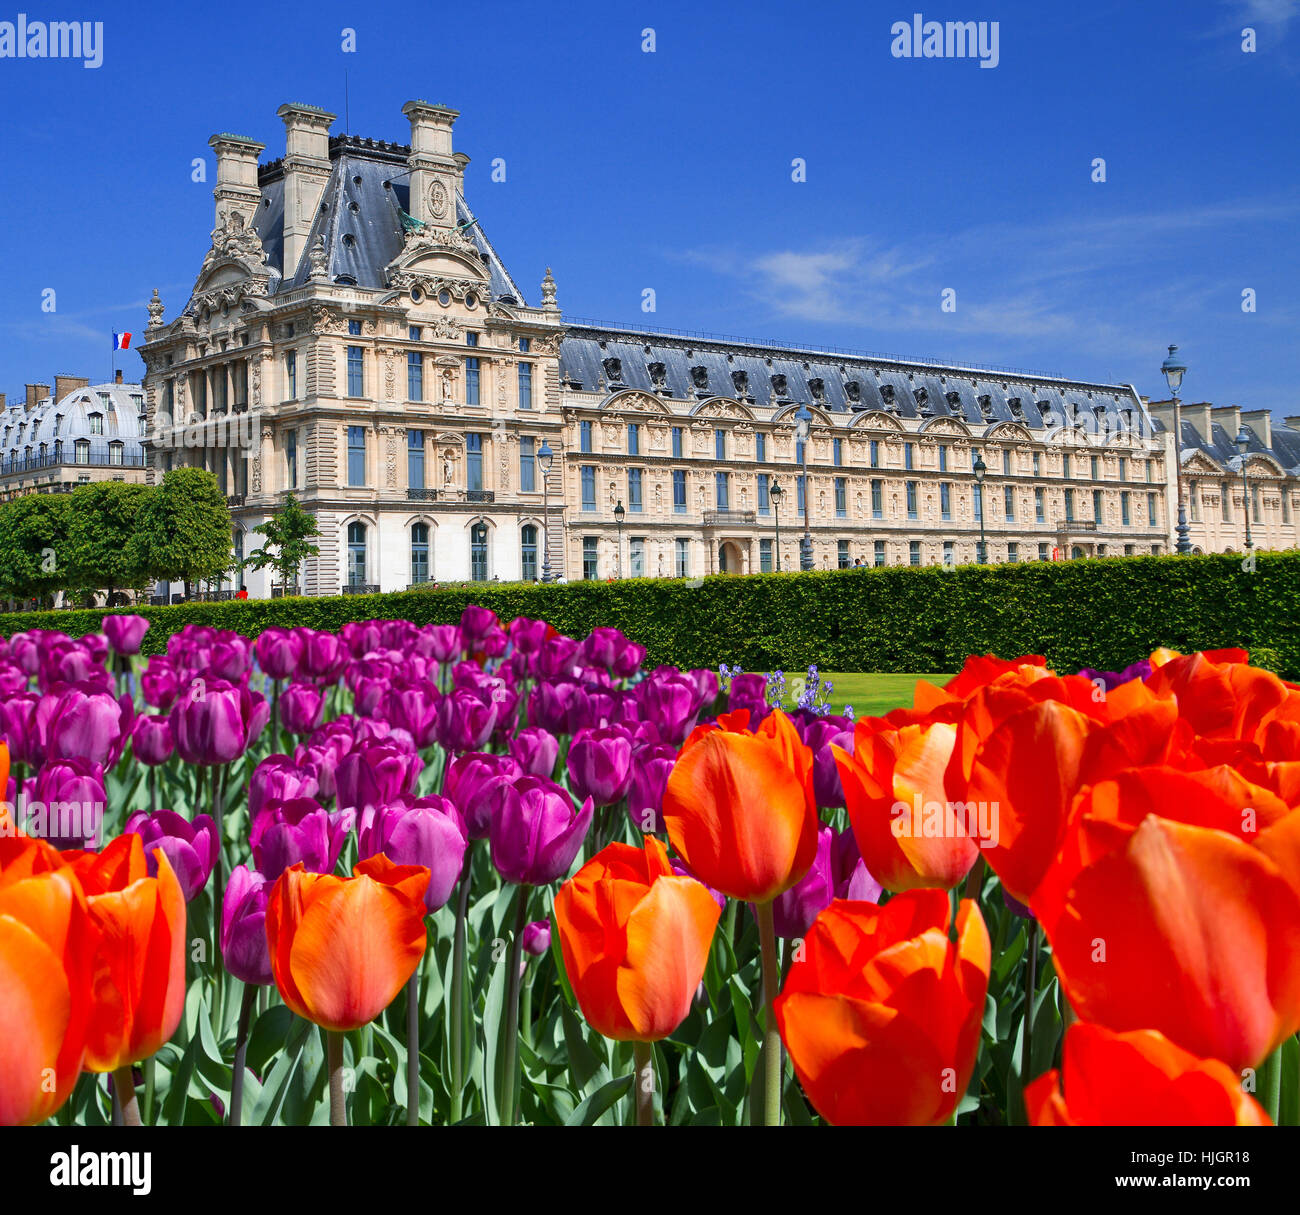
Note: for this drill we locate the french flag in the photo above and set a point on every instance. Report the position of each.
(121, 341)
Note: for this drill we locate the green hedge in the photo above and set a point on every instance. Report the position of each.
(1096, 613)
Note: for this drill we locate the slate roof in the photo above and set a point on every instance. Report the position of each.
(21, 429)
(1221, 447)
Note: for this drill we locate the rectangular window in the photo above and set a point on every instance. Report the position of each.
(588, 487)
(1254, 503)
(354, 328)
(875, 453)
(1069, 506)
(945, 501)
(471, 339)
(1093, 469)
(356, 455)
(799, 494)
(1043, 554)
(528, 554)
(677, 443)
(527, 464)
(1013, 551)
(943, 457)
(525, 386)
(291, 459)
(1038, 465)
(1128, 550)
(764, 496)
(837, 452)
(633, 439)
(679, 491)
(907, 455)
(1040, 509)
(636, 556)
(949, 557)
(1151, 472)
(878, 550)
(977, 501)
(760, 448)
(1009, 503)
(1225, 500)
(914, 552)
(634, 490)
(1286, 507)
(1006, 462)
(719, 444)
(589, 570)
(525, 345)
(765, 556)
(473, 382)
(290, 375)
(356, 378)
(842, 553)
(415, 459)
(877, 499)
(1123, 469)
(723, 491)
(683, 565)
(1194, 503)
(1096, 506)
(1123, 508)
(911, 500)
(584, 437)
(413, 332)
(1065, 464)
(414, 376)
(841, 498)
(473, 461)
(798, 451)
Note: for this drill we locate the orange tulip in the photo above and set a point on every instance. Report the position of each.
(740, 810)
(882, 1014)
(47, 951)
(1174, 905)
(907, 827)
(342, 948)
(977, 672)
(139, 976)
(1219, 694)
(1138, 1078)
(635, 938)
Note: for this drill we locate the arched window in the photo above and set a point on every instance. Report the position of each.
(81, 448)
(528, 552)
(478, 557)
(419, 552)
(356, 554)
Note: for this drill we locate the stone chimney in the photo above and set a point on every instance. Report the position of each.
(2, 401)
(1229, 417)
(236, 191)
(117, 376)
(1261, 422)
(306, 170)
(436, 171)
(36, 393)
(1292, 423)
(64, 384)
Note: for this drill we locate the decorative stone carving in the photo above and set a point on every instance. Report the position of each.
(548, 290)
(155, 310)
(318, 259)
(438, 199)
(448, 384)
(326, 320)
(235, 240)
(446, 328)
(391, 463)
(448, 467)
(390, 376)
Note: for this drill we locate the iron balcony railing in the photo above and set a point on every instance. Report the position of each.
(360, 588)
(94, 457)
(729, 517)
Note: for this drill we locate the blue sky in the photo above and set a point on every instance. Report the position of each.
(671, 170)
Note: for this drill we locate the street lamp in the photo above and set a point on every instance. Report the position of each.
(1173, 369)
(980, 469)
(1243, 444)
(544, 457)
(776, 493)
(802, 420)
(619, 513)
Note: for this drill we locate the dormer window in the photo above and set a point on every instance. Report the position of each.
(36, 428)
(1045, 408)
(613, 370)
(818, 389)
(96, 423)
(779, 387)
(887, 395)
(740, 382)
(700, 377)
(986, 405)
(853, 390)
(922, 401)
(58, 425)
(1017, 410)
(105, 400)
(658, 376)
(953, 399)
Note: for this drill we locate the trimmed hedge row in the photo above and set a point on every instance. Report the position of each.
(1097, 613)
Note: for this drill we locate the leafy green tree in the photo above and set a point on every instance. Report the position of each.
(183, 529)
(34, 544)
(288, 544)
(102, 524)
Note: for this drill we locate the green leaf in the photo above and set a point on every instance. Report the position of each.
(603, 1099)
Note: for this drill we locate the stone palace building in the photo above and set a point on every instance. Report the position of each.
(354, 337)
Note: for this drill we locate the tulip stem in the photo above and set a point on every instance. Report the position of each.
(511, 1055)
(241, 1053)
(334, 1048)
(1269, 1085)
(1031, 984)
(771, 1037)
(643, 1062)
(124, 1095)
(458, 1017)
(413, 1047)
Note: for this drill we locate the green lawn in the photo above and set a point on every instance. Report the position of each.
(871, 695)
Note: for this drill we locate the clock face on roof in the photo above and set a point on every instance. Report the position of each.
(437, 200)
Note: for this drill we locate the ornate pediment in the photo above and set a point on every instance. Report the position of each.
(876, 419)
(633, 401)
(1199, 462)
(935, 427)
(234, 267)
(1067, 436)
(722, 407)
(1008, 430)
(436, 259)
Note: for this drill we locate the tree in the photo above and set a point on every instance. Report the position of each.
(288, 544)
(34, 544)
(102, 524)
(183, 529)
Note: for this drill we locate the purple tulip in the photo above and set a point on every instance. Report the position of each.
(190, 848)
(376, 774)
(284, 833)
(558, 658)
(279, 651)
(537, 833)
(535, 751)
(161, 682)
(819, 735)
(89, 723)
(215, 721)
(427, 832)
(682, 869)
(852, 878)
(413, 707)
(74, 663)
(243, 927)
(25, 651)
(548, 705)
(600, 764)
(749, 692)
(671, 701)
(706, 685)
(477, 623)
(610, 649)
(537, 937)
(474, 782)
(323, 656)
(302, 705)
(466, 720)
(645, 795)
(362, 637)
(528, 636)
(445, 642)
(151, 739)
(17, 727)
(13, 680)
(69, 797)
(794, 911)
(125, 633)
(281, 779)
(1112, 679)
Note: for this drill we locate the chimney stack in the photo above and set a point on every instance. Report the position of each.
(1261, 422)
(236, 191)
(36, 393)
(64, 384)
(306, 170)
(1229, 417)
(117, 376)
(436, 171)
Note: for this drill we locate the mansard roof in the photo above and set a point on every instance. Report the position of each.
(1221, 447)
(596, 357)
(31, 431)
